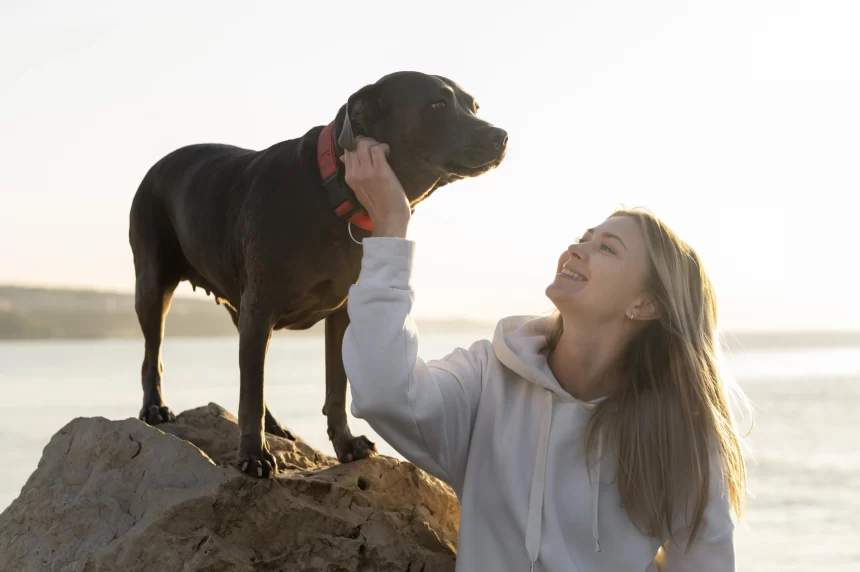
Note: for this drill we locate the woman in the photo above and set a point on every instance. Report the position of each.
(588, 440)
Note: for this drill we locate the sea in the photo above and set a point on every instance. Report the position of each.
(803, 511)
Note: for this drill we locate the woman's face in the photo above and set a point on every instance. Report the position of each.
(603, 276)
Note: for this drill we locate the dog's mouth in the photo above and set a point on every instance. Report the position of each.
(462, 170)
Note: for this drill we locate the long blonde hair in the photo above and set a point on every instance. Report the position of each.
(674, 414)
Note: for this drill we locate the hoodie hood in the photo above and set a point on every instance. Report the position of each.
(521, 343)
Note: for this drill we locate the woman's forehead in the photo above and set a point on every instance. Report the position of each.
(621, 225)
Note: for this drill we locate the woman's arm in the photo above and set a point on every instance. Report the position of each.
(425, 411)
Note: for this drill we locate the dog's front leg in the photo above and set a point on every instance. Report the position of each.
(255, 331)
(273, 427)
(346, 447)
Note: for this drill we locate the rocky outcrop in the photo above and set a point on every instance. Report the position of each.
(124, 496)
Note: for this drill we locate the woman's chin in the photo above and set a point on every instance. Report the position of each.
(564, 286)
(561, 294)
(566, 294)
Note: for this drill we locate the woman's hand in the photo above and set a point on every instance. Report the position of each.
(376, 187)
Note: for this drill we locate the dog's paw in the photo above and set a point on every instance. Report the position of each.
(155, 414)
(354, 448)
(262, 465)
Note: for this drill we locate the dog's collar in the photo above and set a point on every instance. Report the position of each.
(340, 196)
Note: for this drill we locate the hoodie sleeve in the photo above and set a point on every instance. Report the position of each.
(425, 411)
(713, 549)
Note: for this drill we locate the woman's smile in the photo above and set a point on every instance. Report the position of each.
(572, 274)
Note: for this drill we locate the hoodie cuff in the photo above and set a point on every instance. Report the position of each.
(387, 262)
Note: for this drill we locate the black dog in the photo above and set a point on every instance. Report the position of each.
(270, 238)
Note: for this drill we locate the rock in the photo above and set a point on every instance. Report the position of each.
(124, 496)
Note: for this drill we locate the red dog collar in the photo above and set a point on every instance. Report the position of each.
(341, 197)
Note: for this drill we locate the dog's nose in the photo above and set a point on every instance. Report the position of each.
(499, 137)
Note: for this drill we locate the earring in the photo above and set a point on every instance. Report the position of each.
(630, 316)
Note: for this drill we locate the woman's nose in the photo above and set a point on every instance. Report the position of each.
(574, 250)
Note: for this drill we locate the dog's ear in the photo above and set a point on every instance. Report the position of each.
(362, 109)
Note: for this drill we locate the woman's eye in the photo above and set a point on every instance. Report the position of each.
(439, 105)
(609, 248)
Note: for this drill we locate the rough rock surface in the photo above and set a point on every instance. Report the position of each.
(124, 496)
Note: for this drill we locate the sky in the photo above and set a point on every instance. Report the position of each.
(736, 122)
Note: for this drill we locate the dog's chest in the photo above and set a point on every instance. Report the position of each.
(309, 309)
(324, 290)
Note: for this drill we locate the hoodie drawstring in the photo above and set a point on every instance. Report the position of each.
(595, 494)
(533, 522)
(535, 514)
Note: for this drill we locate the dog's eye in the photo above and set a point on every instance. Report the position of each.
(439, 105)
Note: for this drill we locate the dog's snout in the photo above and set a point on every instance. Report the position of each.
(499, 137)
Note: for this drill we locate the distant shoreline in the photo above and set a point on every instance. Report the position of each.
(65, 314)
(734, 341)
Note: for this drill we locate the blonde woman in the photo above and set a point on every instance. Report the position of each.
(589, 440)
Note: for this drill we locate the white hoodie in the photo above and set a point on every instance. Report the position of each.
(493, 423)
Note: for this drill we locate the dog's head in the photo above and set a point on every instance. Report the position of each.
(432, 127)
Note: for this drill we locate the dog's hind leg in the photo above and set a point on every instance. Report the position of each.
(158, 268)
(346, 447)
(151, 301)
(272, 425)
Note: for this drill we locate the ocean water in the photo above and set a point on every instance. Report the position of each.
(804, 508)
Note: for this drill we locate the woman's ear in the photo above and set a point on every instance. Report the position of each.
(644, 308)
